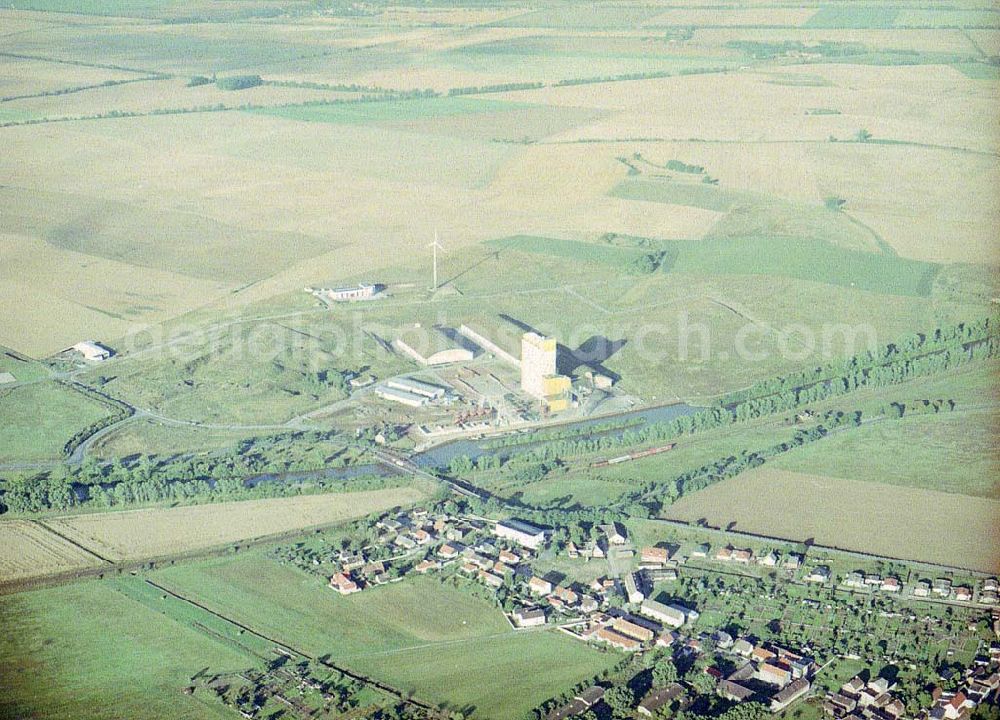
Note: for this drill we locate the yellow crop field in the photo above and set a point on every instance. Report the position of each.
(908, 523)
(31, 550)
(153, 532)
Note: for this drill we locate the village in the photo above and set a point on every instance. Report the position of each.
(631, 609)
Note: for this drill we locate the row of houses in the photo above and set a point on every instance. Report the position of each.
(860, 700)
(980, 686)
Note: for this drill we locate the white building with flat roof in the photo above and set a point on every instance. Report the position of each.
(401, 396)
(672, 615)
(520, 532)
(417, 387)
(92, 351)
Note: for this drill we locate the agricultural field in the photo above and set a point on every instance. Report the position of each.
(74, 649)
(39, 418)
(151, 532)
(32, 550)
(916, 524)
(420, 635)
(951, 453)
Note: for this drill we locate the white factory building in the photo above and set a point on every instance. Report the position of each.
(417, 387)
(92, 351)
(520, 532)
(401, 396)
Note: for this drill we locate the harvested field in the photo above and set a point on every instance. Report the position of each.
(153, 532)
(907, 523)
(30, 550)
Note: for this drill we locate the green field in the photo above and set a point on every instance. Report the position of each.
(804, 259)
(443, 644)
(22, 369)
(40, 418)
(978, 71)
(801, 258)
(88, 652)
(699, 195)
(951, 452)
(853, 16)
(571, 249)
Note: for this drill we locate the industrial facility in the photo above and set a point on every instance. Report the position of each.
(361, 291)
(410, 392)
(538, 373)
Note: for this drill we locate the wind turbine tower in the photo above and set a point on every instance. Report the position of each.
(435, 246)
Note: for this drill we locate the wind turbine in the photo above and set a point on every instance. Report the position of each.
(436, 246)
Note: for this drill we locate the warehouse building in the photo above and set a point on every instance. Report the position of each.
(92, 351)
(401, 396)
(520, 532)
(417, 387)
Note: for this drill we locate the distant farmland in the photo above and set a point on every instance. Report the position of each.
(907, 523)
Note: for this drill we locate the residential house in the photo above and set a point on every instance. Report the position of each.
(743, 647)
(891, 584)
(509, 558)
(774, 674)
(343, 584)
(733, 691)
(566, 595)
(819, 574)
(632, 630)
(769, 560)
(615, 533)
(632, 591)
(525, 617)
(792, 692)
(658, 698)
(493, 581)
(538, 586)
(425, 566)
(616, 639)
(654, 556)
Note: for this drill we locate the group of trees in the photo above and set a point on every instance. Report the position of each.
(912, 356)
(614, 78)
(234, 474)
(239, 82)
(502, 87)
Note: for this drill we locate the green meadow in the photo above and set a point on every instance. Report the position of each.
(73, 651)
(40, 418)
(442, 643)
